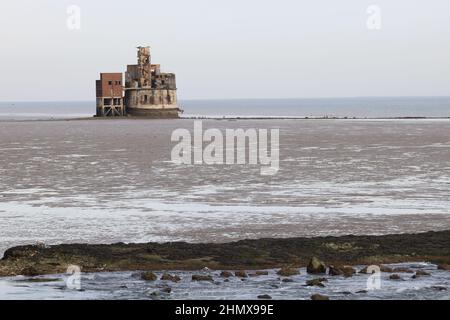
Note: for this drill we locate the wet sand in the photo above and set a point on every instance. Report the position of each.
(111, 181)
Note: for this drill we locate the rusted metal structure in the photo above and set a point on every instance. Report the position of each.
(147, 92)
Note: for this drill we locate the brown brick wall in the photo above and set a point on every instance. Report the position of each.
(110, 85)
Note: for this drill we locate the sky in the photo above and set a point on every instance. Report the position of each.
(229, 49)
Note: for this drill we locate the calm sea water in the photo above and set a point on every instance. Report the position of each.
(129, 285)
(331, 107)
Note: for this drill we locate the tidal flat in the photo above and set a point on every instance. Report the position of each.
(103, 182)
(104, 195)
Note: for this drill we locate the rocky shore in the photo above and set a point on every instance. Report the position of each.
(334, 253)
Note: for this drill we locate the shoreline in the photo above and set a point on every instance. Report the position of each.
(34, 260)
(226, 118)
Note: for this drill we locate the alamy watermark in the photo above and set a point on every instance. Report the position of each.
(234, 146)
(73, 21)
(73, 281)
(374, 17)
(374, 280)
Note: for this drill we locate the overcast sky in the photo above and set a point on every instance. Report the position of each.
(229, 49)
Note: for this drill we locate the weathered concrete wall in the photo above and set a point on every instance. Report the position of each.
(148, 91)
(150, 98)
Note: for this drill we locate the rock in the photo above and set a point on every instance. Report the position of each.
(382, 269)
(288, 272)
(316, 282)
(262, 273)
(287, 280)
(169, 277)
(444, 266)
(197, 277)
(241, 274)
(365, 270)
(420, 273)
(439, 288)
(265, 297)
(151, 256)
(226, 274)
(157, 294)
(335, 271)
(402, 270)
(346, 271)
(40, 280)
(395, 277)
(29, 272)
(259, 273)
(316, 266)
(362, 291)
(386, 269)
(319, 297)
(166, 290)
(149, 276)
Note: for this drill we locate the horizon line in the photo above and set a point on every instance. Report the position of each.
(234, 99)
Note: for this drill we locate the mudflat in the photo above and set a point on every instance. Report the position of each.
(113, 181)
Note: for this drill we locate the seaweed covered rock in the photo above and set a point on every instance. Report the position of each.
(420, 273)
(166, 290)
(386, 269)
(395, 277)
(319, 297)
(402, 270)
(346, 271)
(316, 282)
(241, 255)
(29, 272)
(288, 272)
(168, 277)
(198, 277)
(375, 269)
(149, 276)
(261, 273)
(316, 266)
(444, 266)
(241, 274)
(226, 274)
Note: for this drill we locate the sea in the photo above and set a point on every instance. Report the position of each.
(383, 167)
(130, 286)
(371, 107)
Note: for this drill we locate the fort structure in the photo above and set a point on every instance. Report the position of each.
(147, 91)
